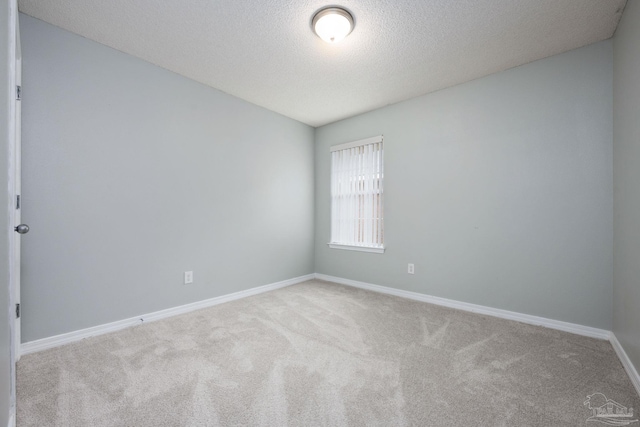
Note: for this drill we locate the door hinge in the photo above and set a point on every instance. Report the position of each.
(17, 311)
(18, 201)
(18, 93)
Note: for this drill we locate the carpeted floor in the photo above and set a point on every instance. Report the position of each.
(323, 354)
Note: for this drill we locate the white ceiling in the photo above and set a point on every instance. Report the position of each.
(266, 53)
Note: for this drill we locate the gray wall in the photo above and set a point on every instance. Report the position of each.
(5, 373)
(133, 175)
(626, 181)
(499, 190)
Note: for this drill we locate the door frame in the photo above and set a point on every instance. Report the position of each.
(14, 186)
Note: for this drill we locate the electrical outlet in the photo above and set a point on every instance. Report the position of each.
(188, 277)
(411, 269)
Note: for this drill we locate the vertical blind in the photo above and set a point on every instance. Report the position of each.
(356, 193)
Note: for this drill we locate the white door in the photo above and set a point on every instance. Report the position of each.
(16, 202)
(17, 216)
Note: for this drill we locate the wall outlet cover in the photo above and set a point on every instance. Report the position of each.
(188, 277)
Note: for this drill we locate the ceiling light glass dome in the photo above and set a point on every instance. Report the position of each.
(332, 24)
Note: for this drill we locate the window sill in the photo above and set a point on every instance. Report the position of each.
(356, 248)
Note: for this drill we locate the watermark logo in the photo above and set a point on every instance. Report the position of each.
(609, 412)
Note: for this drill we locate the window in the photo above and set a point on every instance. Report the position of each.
(357, 195)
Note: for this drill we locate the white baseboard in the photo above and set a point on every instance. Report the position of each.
(58, 340)
(69, 337)
(12, 420)
(503, 314)
(626, 362)
(474, 308)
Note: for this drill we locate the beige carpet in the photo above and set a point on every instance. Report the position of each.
(323, 354)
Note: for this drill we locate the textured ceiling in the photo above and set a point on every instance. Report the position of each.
(265, 52)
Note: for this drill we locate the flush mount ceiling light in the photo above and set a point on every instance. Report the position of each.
(332, 24)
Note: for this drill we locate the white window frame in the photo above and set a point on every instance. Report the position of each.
(357, 196)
